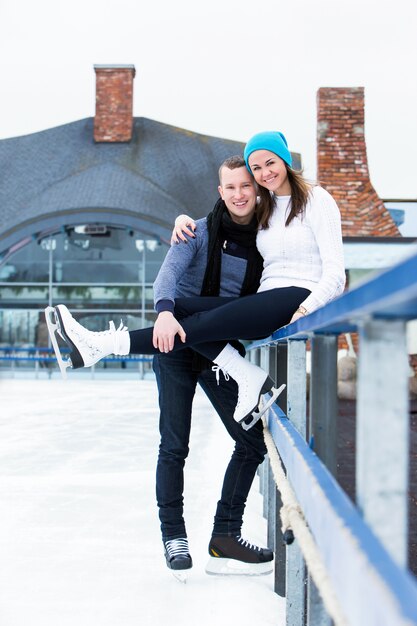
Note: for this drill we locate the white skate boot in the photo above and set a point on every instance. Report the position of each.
(87, 347)
(252, 383)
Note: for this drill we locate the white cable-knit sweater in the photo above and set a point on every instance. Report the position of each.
(308, 253)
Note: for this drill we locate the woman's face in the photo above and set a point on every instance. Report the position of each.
(270, 172)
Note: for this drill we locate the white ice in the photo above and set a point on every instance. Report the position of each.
(79, 532)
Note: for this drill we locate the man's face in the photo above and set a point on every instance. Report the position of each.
(237, 189)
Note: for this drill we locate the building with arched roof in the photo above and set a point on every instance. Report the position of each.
(87, 208)
(89, 223)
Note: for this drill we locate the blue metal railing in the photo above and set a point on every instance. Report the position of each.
(364, 548)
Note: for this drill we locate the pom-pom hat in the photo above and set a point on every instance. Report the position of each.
(273, 141)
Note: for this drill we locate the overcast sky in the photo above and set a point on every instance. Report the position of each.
(222, 67)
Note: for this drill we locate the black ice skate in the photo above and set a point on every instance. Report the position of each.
(86, 347)
(178, 557)
(236, 556)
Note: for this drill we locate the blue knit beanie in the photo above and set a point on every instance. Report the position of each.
(273, 141)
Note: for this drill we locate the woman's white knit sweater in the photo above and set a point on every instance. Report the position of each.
(308, 253)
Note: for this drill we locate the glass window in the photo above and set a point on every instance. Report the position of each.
(102, 272)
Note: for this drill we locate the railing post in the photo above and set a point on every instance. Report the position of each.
(270, 513)
(261, 477)
(323, 399)
(272, 362)
(275, 539)
(296, 412)
(263, 362)
(280, 549)
(265, 487)
(297, 385)
(281, 373)
(37, 356)
(382, 433)
(323, 432)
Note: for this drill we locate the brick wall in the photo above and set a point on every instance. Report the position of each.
(113, 121)
(342, 164)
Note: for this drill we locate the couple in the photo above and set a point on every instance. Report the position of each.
(297, 230)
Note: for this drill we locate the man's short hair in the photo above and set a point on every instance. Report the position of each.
(232, 163)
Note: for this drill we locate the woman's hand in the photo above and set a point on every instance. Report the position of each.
(300, 312)
(296, 317)
(184, 225)
(164, 331)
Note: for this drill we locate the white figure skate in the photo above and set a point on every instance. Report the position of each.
(252, 381)
(262, 408)
(87, 347)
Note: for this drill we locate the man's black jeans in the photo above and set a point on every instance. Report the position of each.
(177, 383)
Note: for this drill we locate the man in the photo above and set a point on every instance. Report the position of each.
(220, 259)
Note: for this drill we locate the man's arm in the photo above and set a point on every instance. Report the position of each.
(175, 265)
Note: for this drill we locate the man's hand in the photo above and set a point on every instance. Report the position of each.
(184, 225)
(164, 331)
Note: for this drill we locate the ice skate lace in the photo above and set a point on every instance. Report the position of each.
(217, 369)
(88, 336)
(248, 545)
(177, 547)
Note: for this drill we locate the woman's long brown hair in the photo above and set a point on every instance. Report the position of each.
(300, 190)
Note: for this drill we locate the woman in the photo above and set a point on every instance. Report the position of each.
(300, 233)
(301, 242)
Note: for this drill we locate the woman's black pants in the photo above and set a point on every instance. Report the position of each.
(210, 323)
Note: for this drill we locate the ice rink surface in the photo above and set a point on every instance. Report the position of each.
(79, 532)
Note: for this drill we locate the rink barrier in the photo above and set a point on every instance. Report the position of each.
(293, 521)
(363, 547)
(41, 356)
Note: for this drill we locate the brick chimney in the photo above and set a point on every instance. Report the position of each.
(113, 121)
(342, 164)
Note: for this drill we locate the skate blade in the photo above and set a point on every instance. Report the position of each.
(53, 327)
(181, 576)
(259, 412)
(230, 567)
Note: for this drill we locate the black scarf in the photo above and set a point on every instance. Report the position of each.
(221, 228)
